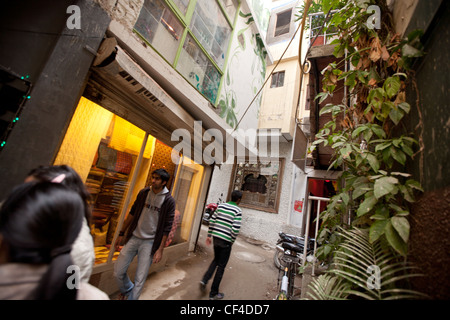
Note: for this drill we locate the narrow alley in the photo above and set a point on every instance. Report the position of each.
(250, 274)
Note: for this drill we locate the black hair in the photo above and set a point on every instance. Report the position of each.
(236, 195)
(39, 222)
(165, 176)
(72, 181)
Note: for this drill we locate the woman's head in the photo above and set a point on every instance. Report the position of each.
(71, 180)
(39, 222)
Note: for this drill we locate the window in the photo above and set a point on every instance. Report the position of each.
(277, 79)
(195, 66)
(194, 41)
(211, 29)
(260, 184)
(182, 5)
(159, 26)
(283, 23)
(230, 7)
(105, 150)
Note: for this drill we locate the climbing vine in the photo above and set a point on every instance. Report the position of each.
(371, 142)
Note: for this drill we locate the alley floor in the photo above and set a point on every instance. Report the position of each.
(250, 274)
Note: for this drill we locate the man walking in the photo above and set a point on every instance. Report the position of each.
(224, 227)
(145, 230)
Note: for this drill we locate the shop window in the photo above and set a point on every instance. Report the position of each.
(260, 184)
(104, 149)
(277, 79)
(159, 26)
(195, 66)
(283, 23)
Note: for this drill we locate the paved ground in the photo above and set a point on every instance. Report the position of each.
(250, 274)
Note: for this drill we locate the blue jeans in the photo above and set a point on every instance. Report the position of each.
(141, 248)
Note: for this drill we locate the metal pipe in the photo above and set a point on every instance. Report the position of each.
(315, 236)
(306, 232)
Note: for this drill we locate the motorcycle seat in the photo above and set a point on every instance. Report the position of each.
(292, 246)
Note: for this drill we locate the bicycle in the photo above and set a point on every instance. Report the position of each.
(289, 254)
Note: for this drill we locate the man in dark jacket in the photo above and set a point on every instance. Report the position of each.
(145, 229)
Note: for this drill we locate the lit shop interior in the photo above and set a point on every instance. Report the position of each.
(115, 160)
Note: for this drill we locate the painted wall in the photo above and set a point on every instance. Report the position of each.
(244, 75)
(259, 225)
(279, 104)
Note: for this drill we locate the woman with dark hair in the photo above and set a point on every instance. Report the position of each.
(39, 222)
(83, 254)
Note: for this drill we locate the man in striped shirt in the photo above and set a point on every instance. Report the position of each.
(224, 227)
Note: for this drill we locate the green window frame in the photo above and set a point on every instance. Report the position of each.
(200, 62)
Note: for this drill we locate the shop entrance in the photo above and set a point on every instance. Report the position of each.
(115, 159)
(323, 188)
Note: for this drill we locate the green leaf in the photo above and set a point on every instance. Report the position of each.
(396, 114)
(358, 130)
(383, 146)
(322, 96)
(395, 240)
(328, 108)
(385, 186)
(378, 131)
(405, 106)
(407, 195)
(414, 184)
(398, 155)
(345, 198)
(326, 6)
(367, 205)
(392, 86)
(401, 225)
(373, 161)
(411, 52)
(381, 213)
(346, 151)
(377, 230)
(376, 96)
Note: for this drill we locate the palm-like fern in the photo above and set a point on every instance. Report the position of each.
(329, 287)
(366, 270)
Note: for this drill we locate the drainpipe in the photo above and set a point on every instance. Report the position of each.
(316, 104)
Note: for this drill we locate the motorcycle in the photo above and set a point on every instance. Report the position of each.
(210, 209)
(292, 245)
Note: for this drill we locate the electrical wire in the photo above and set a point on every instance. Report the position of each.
(307, 5)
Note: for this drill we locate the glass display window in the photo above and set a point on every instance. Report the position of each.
(115, 159)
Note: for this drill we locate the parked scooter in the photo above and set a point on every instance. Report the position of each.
(210, 209)
(288, 244)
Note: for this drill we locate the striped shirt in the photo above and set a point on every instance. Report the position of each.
(225, 222)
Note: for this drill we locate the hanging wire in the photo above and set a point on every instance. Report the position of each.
(307, 5)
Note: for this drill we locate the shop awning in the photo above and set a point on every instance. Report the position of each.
(119, 84)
